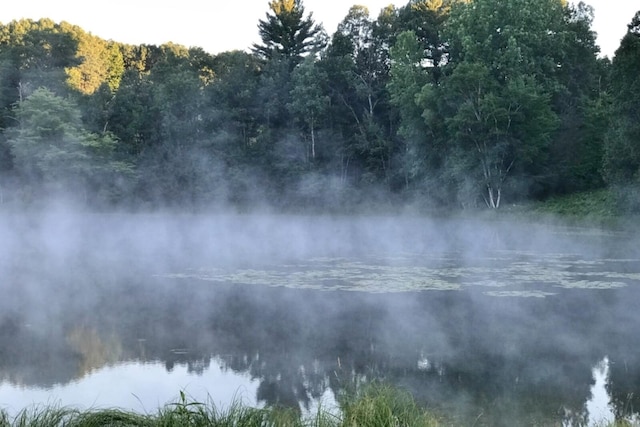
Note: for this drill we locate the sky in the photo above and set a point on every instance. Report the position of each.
(222, 25)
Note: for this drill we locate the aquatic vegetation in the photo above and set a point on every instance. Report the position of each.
(526, 294)
(502, 273)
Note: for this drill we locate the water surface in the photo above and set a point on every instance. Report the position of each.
(494, 322)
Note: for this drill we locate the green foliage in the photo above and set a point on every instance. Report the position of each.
(357, 66)
(511, 38)
(379, 405)
(591, 205)
(585, 163)
(448, 102)
(39, 417)
(175, 165)
(287, 94)
(375, 406)
(55, 153)
(111, 417)
(622, 150)
(48, 134)
(621, 163)
(132, 114)
(37, 53)
(308, 100)
(580, 99)
(233, 94)
(286, 33)
(494, 126)
(495, 95)
(100, 62)
(43, 52)
(185, 412)
(407, 78)
(427, 18)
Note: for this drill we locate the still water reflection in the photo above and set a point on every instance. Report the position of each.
(490, 323)
(138, 386)
(599, 404)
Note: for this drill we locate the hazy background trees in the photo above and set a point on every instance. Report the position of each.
(445, 103)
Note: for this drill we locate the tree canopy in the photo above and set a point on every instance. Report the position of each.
(437, 103)
(287, 33)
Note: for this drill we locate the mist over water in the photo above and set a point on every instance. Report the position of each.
(493, 320)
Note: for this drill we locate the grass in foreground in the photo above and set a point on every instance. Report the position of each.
(377, 406)
(385, 406)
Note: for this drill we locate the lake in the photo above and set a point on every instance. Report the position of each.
(492, 322)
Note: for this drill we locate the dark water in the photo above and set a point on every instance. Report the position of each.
(491, 322)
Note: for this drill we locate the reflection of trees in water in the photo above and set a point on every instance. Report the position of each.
(94, 350)
(195, 365)
(28, 353)
(489, 359)
(504, 363)
(624, 359)
(623, 389)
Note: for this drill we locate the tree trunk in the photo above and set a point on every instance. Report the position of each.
(313, 140)
(494, 196)
(345, 168)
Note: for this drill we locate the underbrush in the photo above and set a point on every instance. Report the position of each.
(598, 204)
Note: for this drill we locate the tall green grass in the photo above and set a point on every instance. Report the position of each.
(378, 406)
(373, 406)
(381, 405)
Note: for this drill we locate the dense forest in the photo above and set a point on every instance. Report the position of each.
(439, 103)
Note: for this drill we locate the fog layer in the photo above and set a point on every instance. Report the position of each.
(464, 312)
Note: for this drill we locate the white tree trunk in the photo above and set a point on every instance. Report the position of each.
(493, 197)
(313, 142)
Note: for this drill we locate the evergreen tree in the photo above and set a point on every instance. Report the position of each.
(286, 33)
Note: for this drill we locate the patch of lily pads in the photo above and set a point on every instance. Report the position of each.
(501, 274)
(521, 294)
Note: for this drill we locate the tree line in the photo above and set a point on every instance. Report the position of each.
(444, 103)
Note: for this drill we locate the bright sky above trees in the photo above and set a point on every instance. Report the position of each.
(220, 25)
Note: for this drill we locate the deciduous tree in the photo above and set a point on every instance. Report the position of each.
(408, 77)
(55, 154)
(309, 102)
(495, 93)
(622, 147)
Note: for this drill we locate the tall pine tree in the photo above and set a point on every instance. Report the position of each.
(286, 33)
